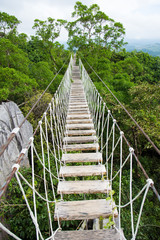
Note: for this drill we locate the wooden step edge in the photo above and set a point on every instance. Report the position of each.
(80, 132)
(84, 187)
(79, 126)
(78, 117)
(78, 121)
(85, 209)
(81, 157)
(82, 171)
(81, 147)
(81, 139)
(107, 234)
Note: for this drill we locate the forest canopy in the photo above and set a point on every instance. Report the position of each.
(29, 63)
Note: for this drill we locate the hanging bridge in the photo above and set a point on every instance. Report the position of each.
(83, 153)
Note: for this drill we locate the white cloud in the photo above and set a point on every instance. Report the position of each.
(139, 17)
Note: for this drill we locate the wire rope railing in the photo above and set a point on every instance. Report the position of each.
(45, 154)
(46, 148)
(119, 159)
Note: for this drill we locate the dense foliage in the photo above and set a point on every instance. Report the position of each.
(92, 25)
(134, 79)
(27, 65)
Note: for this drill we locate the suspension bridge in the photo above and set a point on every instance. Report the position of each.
(82, 152)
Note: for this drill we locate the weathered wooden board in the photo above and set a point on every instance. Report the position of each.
(82, 157)
(87, 116)
(85, 209)
(79, 93)
(81, 147)
(80, 139)
(80, 132)
(80, 126)
(78, 106)
(86, 170)
(76, 121)
(77, 103)
(81, 112)
(78, 98)
(80, 187)
(77, 87)
(75, 109)
(108, 234)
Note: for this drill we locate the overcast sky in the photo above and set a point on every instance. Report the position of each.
(141, 18)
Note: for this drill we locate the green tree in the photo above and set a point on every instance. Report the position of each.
(93, 25)
(8, 23)
(48, 31)
(13, 57)
(15, 85)
(43, 75)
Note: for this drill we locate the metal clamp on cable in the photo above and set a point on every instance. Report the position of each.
(24, 150)
(17, 166)
(150, 181)
(15, 130)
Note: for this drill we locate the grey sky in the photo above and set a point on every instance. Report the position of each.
(141, 18)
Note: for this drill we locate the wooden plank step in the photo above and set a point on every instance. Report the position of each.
(75, 109)
(108, 234)
(74, 102)
(87, 116)
(78, 82)
(80, 126)
(85, 170)
(80, 139)
(79, 112)
(82, 157)
(80, 187)
(76, 121)
(81, 147)
(77, 106)
(77, 95)
(77, 103)
(80, 132)
(84, 209)
(77, 87)
(75, 99)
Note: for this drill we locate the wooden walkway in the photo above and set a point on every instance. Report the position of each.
(80, 145)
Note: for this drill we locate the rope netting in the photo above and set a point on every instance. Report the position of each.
(119, 159)
(46, 149)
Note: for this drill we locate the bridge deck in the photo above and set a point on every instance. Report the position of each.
(80, 136)
(109, 234)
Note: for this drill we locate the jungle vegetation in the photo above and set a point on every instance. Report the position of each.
(28, 64)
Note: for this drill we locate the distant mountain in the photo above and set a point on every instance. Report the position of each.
(150, 46)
